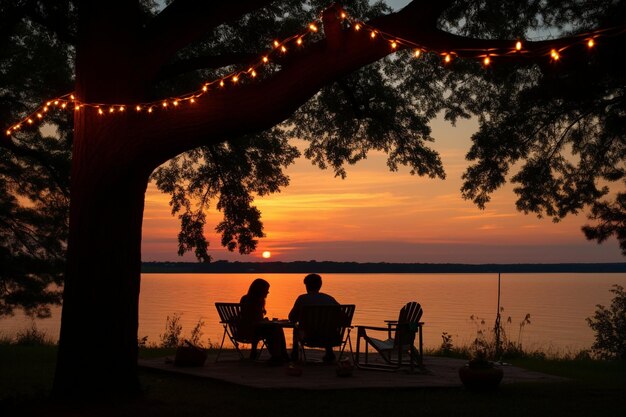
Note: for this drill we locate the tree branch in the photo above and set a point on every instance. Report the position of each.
(184, 21)
(204, 62)
(254, 106)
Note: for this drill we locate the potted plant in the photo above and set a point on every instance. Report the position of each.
(480, 373)
(190, 354)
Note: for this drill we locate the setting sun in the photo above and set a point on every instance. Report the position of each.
(266, 254)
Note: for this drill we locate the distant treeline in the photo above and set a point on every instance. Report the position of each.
(381, 267)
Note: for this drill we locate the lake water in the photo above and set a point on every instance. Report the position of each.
(557, 303)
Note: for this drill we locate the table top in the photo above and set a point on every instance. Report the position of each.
(282, 322)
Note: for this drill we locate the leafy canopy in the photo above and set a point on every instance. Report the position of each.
(555, 131)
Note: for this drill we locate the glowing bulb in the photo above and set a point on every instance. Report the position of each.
(283, 49)
(100, 112)
(9, 132)
(56, 102)
(76, 108)
(486, 61)
(265, 60)
(447, 58)
(30, 121)
(39, 115)
(150, 110)
(72, 96)
(313, 27)
(591, 43)
(192, 100)
(64, 105)
(357, 27)
(276, 44)
(394, 45)
(417, 53)
(45, 108)
(175, 103)
(343, 15)
(111, 109)
(555, 55)
(48, 103)
(253, 73)
(205, 88)
(373, 34)
(164, 104)
(235, 78)
(138, 108)
(221, 83)
(299, 41)
(518, 45)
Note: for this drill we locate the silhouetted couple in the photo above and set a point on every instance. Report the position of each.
(256, 326)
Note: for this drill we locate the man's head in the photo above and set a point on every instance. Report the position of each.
(313, 283)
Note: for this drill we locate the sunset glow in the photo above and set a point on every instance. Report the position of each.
(379, 216)
(267, 254)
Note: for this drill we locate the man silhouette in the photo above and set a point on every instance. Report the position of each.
(313, 296)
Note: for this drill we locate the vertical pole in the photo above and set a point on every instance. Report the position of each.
(497, 327)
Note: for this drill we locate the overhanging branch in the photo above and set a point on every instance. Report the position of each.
(184, 21)
(205, 62)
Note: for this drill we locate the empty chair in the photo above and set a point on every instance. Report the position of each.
(398, 349)
(324, 326)
(229, 317)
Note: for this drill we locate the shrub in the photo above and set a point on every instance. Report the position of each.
(173, 330)
(609, 326)
(32, 337)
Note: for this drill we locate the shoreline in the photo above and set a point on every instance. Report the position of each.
(373, 268)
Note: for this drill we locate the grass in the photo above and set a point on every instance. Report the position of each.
(596, 388)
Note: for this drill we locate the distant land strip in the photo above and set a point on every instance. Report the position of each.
(372, 268)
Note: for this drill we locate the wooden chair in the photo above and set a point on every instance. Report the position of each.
(229, 318)
(400, 341)
(321, 326)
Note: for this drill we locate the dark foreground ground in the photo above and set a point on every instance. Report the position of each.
(594, 389)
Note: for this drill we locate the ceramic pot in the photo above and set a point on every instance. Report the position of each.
(190, 356)
(481, 378)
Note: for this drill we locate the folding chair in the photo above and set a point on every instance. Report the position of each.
(400, 341)
(229, 318)
(322, 326)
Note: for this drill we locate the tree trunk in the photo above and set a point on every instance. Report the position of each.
(98, 342)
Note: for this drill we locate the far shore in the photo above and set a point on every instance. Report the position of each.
(374, 268)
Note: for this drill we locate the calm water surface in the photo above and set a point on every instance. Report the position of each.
(557, 303)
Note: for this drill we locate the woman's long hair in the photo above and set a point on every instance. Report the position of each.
(258, 289)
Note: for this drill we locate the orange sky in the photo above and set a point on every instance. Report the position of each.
(378, 216)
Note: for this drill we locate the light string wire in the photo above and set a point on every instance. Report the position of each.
(70, 102)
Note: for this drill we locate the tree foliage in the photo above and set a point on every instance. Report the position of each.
(557, 131)
(609, 325)
(34, 176)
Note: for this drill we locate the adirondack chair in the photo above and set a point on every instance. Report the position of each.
(399, 348)
(229, 318)
(324, 325)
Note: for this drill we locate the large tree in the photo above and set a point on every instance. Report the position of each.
(561, 121)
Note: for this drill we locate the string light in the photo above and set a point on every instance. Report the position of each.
(70, 100)
(555, 55)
